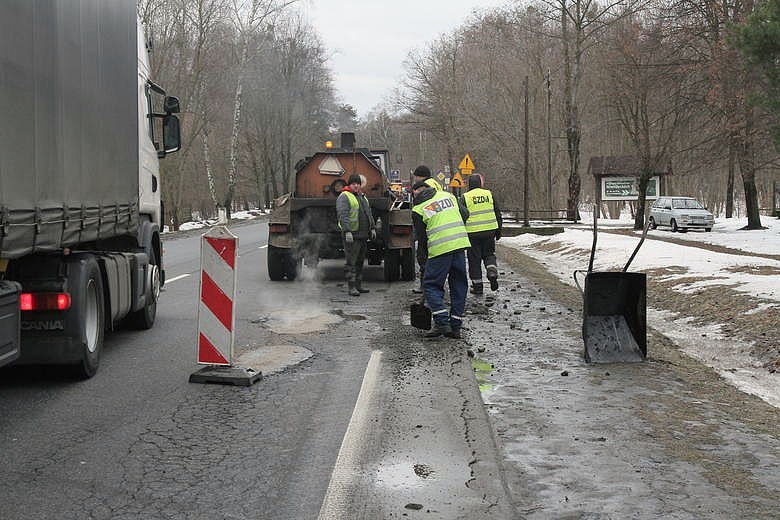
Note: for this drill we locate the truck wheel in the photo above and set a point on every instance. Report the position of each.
(143, 319)
(408, 264)
(675, 229)
(276, 263)
(91, 315)
(392, 265)
(293, 266)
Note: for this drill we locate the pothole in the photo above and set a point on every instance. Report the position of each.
(423, 470)
(299, 321)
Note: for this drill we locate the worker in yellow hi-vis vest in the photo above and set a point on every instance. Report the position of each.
(484, 228)
(441, 239)
(423, 174)
(357, 226)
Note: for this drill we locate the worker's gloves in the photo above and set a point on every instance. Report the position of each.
(372, 234)
(498, 235)
(348, 238)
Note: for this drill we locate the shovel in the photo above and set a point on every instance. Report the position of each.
(614, 327)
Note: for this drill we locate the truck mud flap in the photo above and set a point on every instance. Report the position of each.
(614, 326)
(9, 321)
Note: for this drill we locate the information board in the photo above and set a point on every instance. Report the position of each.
(626, 188)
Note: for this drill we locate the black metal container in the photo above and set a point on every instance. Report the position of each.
(614, 326)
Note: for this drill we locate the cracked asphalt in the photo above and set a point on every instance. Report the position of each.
(137, 441)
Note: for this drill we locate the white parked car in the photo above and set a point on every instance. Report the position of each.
(681, 214)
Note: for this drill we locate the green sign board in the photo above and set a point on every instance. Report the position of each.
(626, 188)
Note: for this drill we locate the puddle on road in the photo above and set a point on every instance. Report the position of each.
(404, 476)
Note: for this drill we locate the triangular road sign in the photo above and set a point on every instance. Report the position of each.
(466, 163)
(457, 181)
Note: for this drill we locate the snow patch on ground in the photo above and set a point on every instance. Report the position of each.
(566, 252)
(728, 357)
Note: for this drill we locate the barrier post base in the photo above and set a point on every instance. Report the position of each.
(237, 376)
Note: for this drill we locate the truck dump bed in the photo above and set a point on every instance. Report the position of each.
(68, 123)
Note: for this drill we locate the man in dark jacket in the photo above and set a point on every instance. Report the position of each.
(357, 225)
(484, 228)
(422, 174)
(441, 240)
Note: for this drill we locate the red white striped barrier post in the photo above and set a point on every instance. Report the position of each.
(216, 311)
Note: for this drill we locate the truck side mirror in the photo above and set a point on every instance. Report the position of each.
(171, 135)
(171, 105)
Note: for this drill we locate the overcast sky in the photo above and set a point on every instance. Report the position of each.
(370, 39)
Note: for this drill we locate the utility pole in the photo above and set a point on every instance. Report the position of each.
(526, 222)
(549, 146)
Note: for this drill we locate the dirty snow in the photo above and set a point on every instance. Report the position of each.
(564, 253)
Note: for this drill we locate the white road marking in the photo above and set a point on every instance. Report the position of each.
(169, 280)
(336, 504)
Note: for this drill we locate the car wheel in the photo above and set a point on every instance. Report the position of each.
(653, 225)
(675, 229)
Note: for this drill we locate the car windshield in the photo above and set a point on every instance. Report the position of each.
(686, 204)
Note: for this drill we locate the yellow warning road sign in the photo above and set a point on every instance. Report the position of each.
(457, 181)
(466, 164)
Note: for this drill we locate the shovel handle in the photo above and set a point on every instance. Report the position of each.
(644, 234)
(595, 236)
(577, 282)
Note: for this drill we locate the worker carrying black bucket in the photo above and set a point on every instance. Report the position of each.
(614, 315)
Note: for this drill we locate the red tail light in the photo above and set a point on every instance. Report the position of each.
(278, 228)
(401, 230)
(44, 301)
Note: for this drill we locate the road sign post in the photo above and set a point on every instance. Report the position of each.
(216, 311)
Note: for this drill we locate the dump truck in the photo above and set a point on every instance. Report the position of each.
(83, 128)
(303, 226)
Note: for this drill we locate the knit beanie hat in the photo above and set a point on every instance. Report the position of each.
(422, 171)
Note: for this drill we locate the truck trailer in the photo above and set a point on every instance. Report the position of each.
(82, 129)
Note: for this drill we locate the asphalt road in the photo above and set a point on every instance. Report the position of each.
(139, 441)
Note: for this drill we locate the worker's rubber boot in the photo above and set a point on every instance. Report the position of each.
(476, 288)
(454, 333)
(359, 287)
(492, 276)
(438, 331)
(353, 290)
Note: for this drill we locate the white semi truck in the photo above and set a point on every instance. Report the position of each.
(82, 128)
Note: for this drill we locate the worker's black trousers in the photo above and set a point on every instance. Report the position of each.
(354, 257)
(482, 250)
